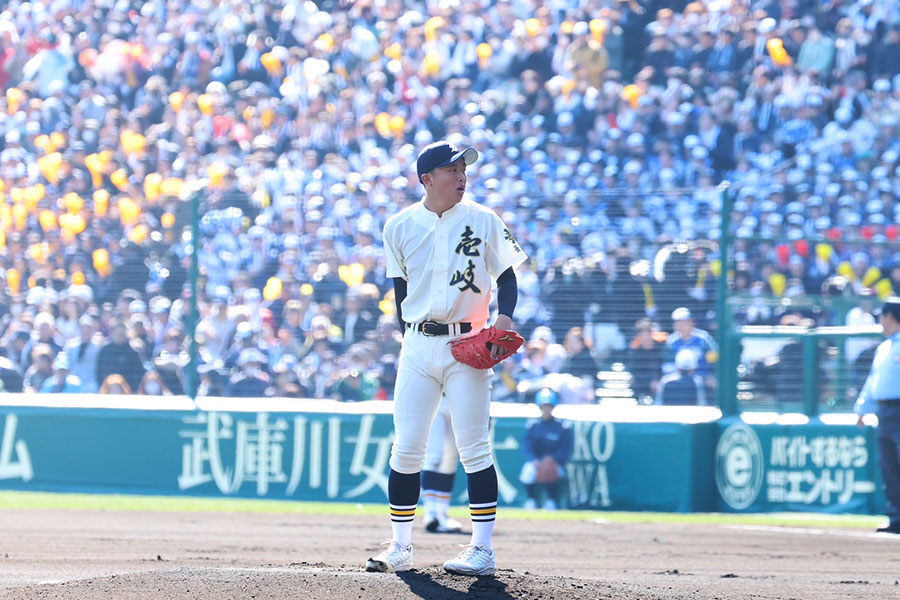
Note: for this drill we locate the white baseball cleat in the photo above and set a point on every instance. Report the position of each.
(550, 504)
(391, 560)
(475, 559)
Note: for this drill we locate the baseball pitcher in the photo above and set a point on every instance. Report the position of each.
(443, 254)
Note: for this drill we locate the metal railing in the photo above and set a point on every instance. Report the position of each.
(824, 380)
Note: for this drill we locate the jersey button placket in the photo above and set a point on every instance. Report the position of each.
(440, 278)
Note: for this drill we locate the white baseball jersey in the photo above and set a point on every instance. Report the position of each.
(449, 262)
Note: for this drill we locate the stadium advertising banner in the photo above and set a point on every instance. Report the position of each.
(810, 467)
(340, 452)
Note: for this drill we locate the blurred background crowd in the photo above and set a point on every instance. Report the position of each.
(604, 127)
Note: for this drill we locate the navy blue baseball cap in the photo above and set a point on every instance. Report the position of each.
(442, 154)
(891, 306)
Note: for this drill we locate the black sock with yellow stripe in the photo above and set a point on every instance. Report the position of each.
(483, 504)
(403, 495)
(437, 489)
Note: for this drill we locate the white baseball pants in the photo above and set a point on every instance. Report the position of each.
(426, 370)
(440, 454)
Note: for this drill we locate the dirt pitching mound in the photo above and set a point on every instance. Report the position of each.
(315, 582)
(104, 555)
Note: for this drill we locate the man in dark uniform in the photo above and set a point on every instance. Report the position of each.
(251, 381)
(547, 448)
(683, 387)
(118, 357)
(881, 395)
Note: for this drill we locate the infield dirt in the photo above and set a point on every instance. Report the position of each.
(93, 555)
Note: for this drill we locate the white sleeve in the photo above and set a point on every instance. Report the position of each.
(503, 251)
(701, 391)
(392, 257)
(659, 391)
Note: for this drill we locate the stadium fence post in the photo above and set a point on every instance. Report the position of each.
(727, 400)
(810, 366)
(191, 375)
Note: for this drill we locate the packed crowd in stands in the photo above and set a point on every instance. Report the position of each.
(604, 126)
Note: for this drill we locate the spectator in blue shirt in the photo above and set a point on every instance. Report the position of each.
(686, 335)
(62, 381)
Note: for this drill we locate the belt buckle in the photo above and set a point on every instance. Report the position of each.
(424, 329)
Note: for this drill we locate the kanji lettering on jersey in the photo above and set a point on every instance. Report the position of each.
(466, 278)
(507, 235)
(468, 244)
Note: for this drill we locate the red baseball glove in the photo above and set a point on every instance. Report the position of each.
(475, 350)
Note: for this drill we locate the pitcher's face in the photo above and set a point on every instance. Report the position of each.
(448, 184)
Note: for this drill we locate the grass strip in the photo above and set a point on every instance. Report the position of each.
(10, 500)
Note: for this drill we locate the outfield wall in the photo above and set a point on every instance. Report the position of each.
(629, 458)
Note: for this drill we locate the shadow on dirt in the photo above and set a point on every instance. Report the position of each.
(427, 586)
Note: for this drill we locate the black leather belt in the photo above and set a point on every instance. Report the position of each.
(890, 401)
(432, 328)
